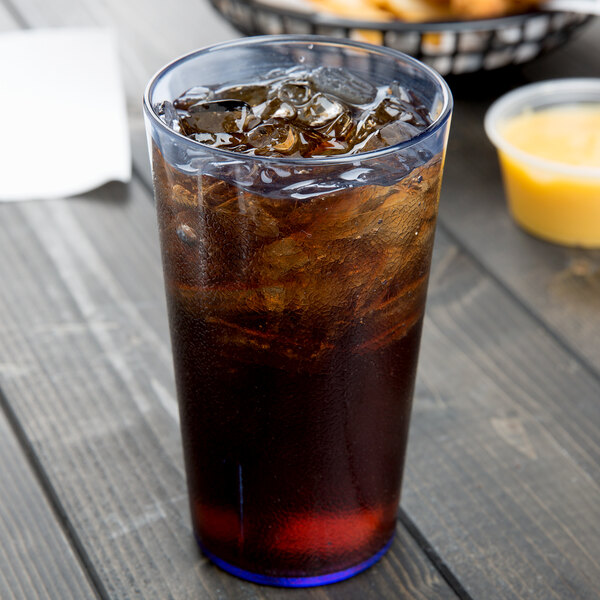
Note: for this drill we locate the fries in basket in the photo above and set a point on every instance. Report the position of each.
(423, 10)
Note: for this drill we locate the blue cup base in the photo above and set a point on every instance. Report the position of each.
(295, 582)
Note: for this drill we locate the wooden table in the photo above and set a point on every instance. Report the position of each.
(502, 489)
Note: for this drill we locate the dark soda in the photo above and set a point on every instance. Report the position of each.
(295, 303)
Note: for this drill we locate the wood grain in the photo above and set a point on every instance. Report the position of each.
(36, 559)
(503, 462)
(560, 286)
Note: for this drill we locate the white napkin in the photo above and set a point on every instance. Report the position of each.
(63, 120)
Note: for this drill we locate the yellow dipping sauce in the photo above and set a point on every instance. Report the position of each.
(553, 179)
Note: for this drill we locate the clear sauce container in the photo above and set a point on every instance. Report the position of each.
(548, 140)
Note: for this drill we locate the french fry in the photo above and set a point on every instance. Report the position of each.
(371, 36)
(417, 11)
(421, 11)
(360, 10)
(487, 9)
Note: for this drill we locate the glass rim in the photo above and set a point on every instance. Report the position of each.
(435, 126)
(528, 96)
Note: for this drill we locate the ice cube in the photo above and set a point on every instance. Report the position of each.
(281, 258)
(288, 145)
(225, 105)
(168, 114)
(418, 109)
(298, 112)
(374, 117)
(218, 116)
(198, 93)
(271, 137)
(184, 197)
(218, 140)
(343, 84)
(395, 133)
(369, 141)
(319, 111)
(340, 129)
(275, 108)
(399, 91)
(297, 93)
(252, 94)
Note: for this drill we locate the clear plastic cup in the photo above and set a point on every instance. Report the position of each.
(553, 200)
(296, 290)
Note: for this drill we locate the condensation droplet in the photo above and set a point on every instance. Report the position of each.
(186, 234)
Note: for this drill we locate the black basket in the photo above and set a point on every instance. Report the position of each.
(453, 47)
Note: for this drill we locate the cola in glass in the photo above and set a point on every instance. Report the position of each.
(296, 204)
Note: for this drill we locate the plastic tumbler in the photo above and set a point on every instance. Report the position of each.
(296, 290)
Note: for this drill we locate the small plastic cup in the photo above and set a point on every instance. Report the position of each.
(553, 200)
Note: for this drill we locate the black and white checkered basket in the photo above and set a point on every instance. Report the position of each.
(450, 48)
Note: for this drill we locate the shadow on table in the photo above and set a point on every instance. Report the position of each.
(113, 193)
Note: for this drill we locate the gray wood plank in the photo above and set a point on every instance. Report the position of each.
(561, 286)
(37, 561)
(95, 398)
(503, 461)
